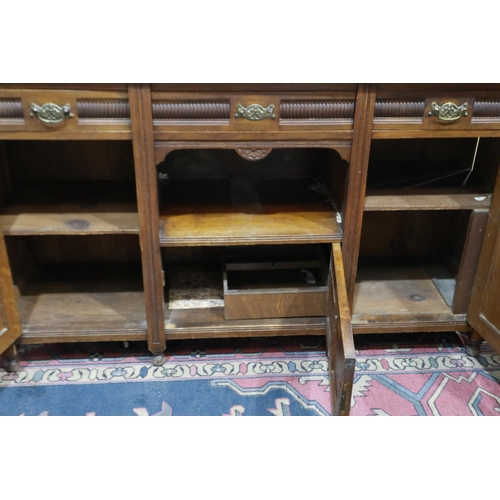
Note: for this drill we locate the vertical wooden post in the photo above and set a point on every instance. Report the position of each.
(141, 115)
(358, 171)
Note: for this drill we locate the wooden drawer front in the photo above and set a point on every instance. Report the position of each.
(260, 289)
(458, 113)
(268, 304)
(64, 112)
(178, 113)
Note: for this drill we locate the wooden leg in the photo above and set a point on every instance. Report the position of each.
(11, 361)
(473, 347)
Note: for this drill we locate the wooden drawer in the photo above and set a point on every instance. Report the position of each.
(178, 114)
(437, 109)
(63, 114)
(293, 285)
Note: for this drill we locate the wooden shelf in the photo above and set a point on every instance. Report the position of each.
(246, 211)
(426, 199)
(402, 297)
(210, 323)
(78, 302)
(71, 208)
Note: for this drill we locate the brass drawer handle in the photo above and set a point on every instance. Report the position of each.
(255, 112)
(449, 111)
(51, 113)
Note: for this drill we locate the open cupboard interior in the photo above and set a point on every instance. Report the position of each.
(166, 212)
(74, 287)
(69, 216)
(219, 196)
(67, 187)
(425, 214)
(233, 232)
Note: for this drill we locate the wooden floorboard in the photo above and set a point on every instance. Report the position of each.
(392, 298)
(72, 301)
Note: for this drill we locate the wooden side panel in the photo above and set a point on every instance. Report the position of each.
(10, 325)
(469, 261)
(340, 343)
(484, 310)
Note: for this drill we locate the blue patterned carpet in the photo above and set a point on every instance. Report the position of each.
(418, 375)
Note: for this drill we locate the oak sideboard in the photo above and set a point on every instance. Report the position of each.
(157, 212)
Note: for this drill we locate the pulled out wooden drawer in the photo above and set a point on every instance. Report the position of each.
(292, 283)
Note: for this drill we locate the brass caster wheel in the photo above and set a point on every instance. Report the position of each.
(158, 359)
(473, 349)
(12, 365)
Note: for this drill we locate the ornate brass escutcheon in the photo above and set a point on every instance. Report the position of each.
(449, 111)
(255, 112)
(51, 113)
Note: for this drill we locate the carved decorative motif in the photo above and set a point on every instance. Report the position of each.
(117, 110)
(253, 154)
(191, 110)
(486, 109)
(319, 110)
(393, 109)
(449, 111)
(11, 109)
(51, 113)
(255, 112)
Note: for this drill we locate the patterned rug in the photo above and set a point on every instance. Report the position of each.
(414, 374)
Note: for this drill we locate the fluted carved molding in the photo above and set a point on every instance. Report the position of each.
(393, 109)
(193, 111)
(95, 110)
(11, 108)
(319, 110)
(486, 109)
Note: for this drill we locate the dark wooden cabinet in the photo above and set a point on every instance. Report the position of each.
(200, 211)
